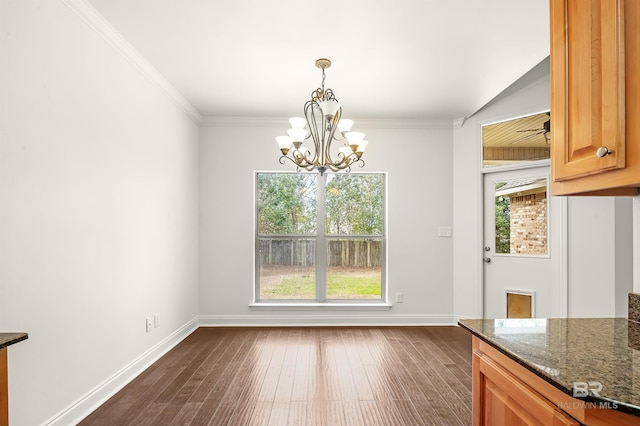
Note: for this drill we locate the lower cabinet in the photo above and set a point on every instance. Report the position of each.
(506, 393)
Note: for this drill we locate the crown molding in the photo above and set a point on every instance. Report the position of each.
(104, 29)
(404, 124)
(279, 122)
(459, 122)
(282, 123)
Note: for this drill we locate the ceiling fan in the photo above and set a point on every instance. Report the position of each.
(545, 131)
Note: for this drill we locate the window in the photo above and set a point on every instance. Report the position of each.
(320, 238)
(518, 141)
(521, 217)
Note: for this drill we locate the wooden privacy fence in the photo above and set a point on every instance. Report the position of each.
(348, 253)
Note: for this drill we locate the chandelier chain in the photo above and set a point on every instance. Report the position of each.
(323, 77)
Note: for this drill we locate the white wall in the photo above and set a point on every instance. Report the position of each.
(417, 158)
(527, 96)
(600, 256)
(598, 266)
(98, 211)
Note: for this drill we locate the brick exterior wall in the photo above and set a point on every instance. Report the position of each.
(529, 224)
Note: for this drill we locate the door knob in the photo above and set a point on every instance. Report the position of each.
(603, 151)
(487, 260)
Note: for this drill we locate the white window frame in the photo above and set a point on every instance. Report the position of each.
(321, 238)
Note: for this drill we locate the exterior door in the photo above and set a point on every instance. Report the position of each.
(522, 245)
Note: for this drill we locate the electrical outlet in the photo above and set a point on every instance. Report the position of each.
(399, 297)
(156, 320)
(444, 231)
(149, 324)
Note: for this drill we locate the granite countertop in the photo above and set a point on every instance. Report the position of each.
(565, 351)
(8, 339)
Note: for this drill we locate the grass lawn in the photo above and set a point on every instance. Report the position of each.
(341, 284)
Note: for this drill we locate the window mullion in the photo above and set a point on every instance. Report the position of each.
(321, 242)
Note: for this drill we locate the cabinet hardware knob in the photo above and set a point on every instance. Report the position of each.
(487, 260)
(603, 151)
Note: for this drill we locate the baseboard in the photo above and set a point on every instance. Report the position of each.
(457, 318)
(84, 406)
(323, 320)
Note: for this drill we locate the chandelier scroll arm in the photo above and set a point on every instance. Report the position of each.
(322, 125)
(333, 126)
(314, 134)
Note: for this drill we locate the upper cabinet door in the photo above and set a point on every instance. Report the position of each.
(587, 87)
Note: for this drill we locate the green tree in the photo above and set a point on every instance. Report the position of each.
(354, 204)
(338, 204)
(503, 223)
(369, 217)
(286, 203)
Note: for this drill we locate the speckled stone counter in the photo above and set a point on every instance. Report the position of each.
(566, 351)
(8, 339)
(634, 307)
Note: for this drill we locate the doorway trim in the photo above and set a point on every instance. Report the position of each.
(562, 273)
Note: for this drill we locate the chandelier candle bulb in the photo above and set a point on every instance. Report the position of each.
(297, 135)
(330, 109)
(298, 122)
(354, 137)
(284, 143)
(322, 125)
(345, 125)
(361, 147)
(346, 150)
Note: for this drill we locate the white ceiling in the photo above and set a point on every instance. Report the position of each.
(397, 59)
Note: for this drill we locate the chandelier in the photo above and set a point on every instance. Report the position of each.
(334, 146)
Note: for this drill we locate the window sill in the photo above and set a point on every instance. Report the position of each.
(284, 306)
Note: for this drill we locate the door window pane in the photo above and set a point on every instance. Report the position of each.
(521, 217)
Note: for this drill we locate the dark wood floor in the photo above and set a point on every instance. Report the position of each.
(303, 376)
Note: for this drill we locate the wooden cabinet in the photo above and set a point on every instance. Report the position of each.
(501, 399)
(595, 97)
(506, 393)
